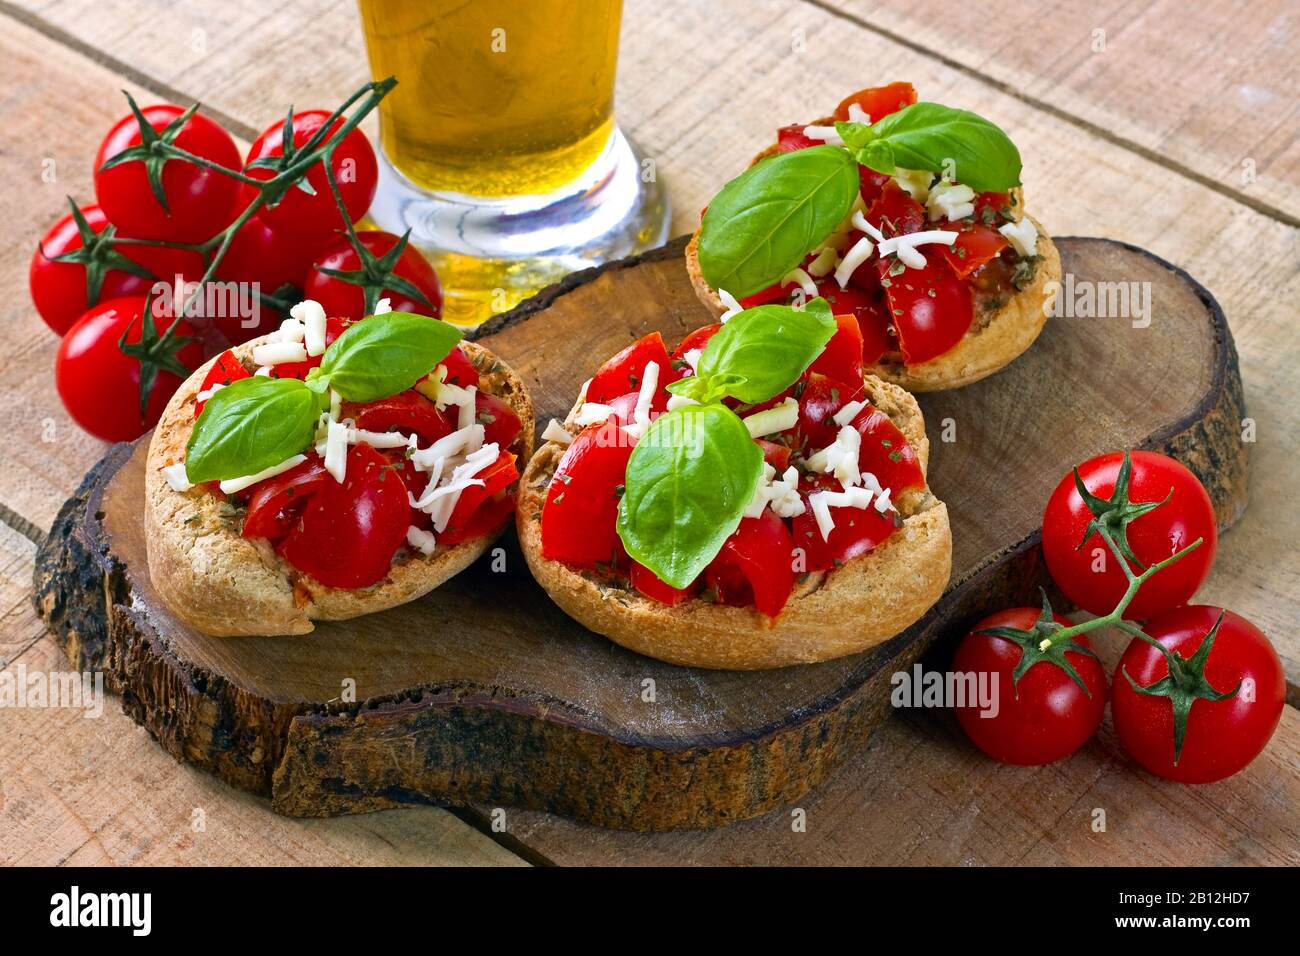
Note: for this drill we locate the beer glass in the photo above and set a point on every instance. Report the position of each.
(499, 148)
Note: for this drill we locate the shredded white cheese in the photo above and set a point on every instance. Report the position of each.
(905, 247)
(556, 432)
(848, 413)
(679, 401)
(592, 413)
(803, 280)
(312, 316)
(772, 420)
(824, 263)
(207, 393)
(840, 458)
(176, 477)
(644, 399)
(291, 330)
(277, 353)
(233, 485)
(950, 201)
(858, 115)
(336, 449)
(860, 253)
(421, 540)
(383, 307)
(827, 134)
(733, 306)
(916, 182)
(1022, 235)
(781, 493)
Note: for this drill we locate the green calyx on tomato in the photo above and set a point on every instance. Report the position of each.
(762, 223)
(759, 353)
(1184, 684)
(939, 139)
(1111, 517)
(378, 273)
(689, 480)
(153, 150)
(1040, 643)
(97, 254)
(694, 471)
(256, 423)
(154, 352)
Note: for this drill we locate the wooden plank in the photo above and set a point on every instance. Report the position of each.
(97, 790)
(919, 794)
(1209, 88)
(701, 120)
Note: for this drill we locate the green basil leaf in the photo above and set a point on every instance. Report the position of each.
(763, 222)
(250, 425)
(385, 354)
(689, 480)
(706, 389)
(939, 139)
(766, 349)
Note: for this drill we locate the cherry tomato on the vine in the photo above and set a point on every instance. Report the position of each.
(339, 297)
(199, 201)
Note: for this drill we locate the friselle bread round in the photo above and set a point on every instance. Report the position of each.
(227, 585)
(994, 340)
(830, 614)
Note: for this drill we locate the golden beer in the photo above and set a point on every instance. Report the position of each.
(495, 97)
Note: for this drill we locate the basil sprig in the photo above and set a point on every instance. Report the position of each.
(937, 138)
(689, 480)
(254, 423)
(763, 222)
(250, 425)
(383, 355)
(760, 352)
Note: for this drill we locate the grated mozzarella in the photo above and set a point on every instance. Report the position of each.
(858, 115)
(860, 253)
(827, 134)
(803, 280)
(1022, 235)
(905, 247)
(277, 353)
(232, 485)
(950, 201)
(207, 393)
(772, 420)
(421, 540)
(176, 477)
(556, 432)
(383, 307)
(848, 413)
(312, 316)
(916, 182)
(733, 306)
(336, 449)
(592, 413)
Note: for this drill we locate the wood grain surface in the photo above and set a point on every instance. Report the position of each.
(1128, 144)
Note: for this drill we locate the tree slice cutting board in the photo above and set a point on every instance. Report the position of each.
(484, 692)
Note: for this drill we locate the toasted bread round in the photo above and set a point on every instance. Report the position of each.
(227, 585)
(830, 614)
(993, 341)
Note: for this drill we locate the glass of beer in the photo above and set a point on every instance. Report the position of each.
(499, 148)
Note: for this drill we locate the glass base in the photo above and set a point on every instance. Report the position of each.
(491, 253)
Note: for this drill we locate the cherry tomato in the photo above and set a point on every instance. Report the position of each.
(842, 357)
(645, 581)
(931, 308)
(856, 531)
(791, 138)
(581, 510)
(488, 518)
(226, 369)
(59, 288)
(350, 531)
(342, 298)
(496, 478)
(200, 201)
(886, 452)
(1090, 576)
(696, 340)
(976, 244)
(878, 334)
(759, 553)
(263, 256)
(499, 421)
(878, 101)
(1043, 717)
(1221, 736)
(276, 504)
(301, 215)
(408, 412)
(100, 385)
(624, 371)
(896, 213)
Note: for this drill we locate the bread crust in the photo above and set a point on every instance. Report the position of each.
(829, 615)
(229, 586)
(989, 345)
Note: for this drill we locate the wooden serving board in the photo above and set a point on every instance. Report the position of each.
(484, 692)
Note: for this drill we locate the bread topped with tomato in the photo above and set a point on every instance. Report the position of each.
(329, 470)
(909, 215)
(750, 500)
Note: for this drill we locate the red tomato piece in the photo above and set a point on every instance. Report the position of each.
(842, 357)
(886, 452)
(499, 421)
(496, 477)
(645, 581)
(820, 399)
(276, 504)
(878, 337)
(487, 519)
(791, 138)
(773, 293)
(225, 369)
(624, 371)
(334, 327)
(976, 244)
(775, 454)
(878, 101)
(930, 308)
(1221, 736)
(200, 201)
(696, 340)
(581, 509)
(460, 370)
(349, 532)
(761, 552)
(1044, 717)
(856, 531)
(896, 213)
(408, 412)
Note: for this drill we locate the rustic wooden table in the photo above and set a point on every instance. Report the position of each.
(1171, 128)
